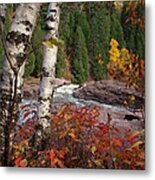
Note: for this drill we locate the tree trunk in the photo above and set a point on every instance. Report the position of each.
(17, 47)
(2, 15)
(43, 128)
(2, 122)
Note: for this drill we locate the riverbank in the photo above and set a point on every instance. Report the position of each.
(123, 104)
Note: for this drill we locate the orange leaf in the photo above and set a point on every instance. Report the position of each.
(117, 142)
(23, 163)
(17, 161)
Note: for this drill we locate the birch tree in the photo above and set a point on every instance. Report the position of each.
(43, 128)
(2, 135)
(17, 48)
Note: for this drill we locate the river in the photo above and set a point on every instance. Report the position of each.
(64, 94)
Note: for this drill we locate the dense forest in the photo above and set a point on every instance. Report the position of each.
(73, 85)
(86, 30)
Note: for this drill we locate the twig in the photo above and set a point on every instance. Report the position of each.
(110, 143)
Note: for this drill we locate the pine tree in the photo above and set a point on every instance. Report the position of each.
(132, 18)
(30, 65)
(61, 62)
(64, 34)
(38, 52)
(116, 27)
(79, 58)
(99, 21)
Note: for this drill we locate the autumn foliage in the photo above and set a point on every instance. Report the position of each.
(80, 140)
(126, 66)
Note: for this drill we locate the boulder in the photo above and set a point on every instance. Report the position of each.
(111, 92)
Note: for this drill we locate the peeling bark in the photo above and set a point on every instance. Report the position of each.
(43, 128)
(16, 50)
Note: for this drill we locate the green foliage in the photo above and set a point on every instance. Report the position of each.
(30, 65)
(99, 21)
(64, 34)
(36, 42)
(133, 21)
(79, 58)
(60, 69)
(52, 42)
(116, 27)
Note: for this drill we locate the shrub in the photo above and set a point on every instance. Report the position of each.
(79, 140)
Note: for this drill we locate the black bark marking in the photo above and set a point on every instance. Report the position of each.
(49, 28)
(15, 37)
(27, 29)
(30, 7)
(45, 73)
(27, 24)
(53, 10)
(2, 19)
(20, 58)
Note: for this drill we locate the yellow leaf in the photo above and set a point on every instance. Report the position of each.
(72, 135)
(135, 133)
(132, 98)
(139, 163)
(127, 162)
(89, 163)
(47, 44)
(98, 162)
(125, 102)
(93, 149)
(137, 144)
(142, 155)
(130, 66)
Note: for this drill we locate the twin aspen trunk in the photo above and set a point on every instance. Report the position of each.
(17, 46)
(43, 128)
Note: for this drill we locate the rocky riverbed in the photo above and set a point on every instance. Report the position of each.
(123, 104)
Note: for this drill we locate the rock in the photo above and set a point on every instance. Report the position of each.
(111, 92)
(31, 86)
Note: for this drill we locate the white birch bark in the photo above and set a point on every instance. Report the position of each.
(2, 122)
(43, 129)
(3, 8)
(17, 42)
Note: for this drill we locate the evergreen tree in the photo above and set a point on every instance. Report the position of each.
(82, 21)
(64, 34)
(79, 58)
(30, 65)
(38, 52)
(60, 68)
(99, 21)
(116, 27)
(133, 26)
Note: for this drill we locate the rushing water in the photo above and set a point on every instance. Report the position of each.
(63, 94)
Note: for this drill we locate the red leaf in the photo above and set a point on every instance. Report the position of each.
(117, 142)
(18, 160)
(61, 154)
(52, 155)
